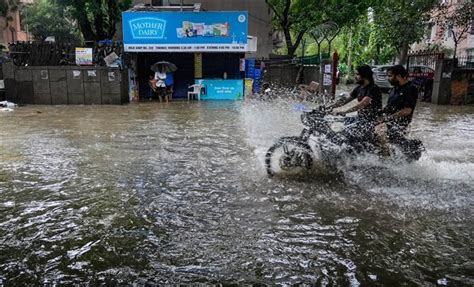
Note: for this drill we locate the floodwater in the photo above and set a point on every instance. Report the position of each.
(148, 194)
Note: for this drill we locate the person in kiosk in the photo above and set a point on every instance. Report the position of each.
(153, 89)
(169, 82)
(164, 79)
(158, 86)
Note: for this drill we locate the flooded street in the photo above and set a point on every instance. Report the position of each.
(177, 193)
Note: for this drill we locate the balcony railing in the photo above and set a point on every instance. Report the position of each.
(466, 62)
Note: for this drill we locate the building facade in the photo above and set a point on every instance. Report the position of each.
(436, 35)
(11, 26)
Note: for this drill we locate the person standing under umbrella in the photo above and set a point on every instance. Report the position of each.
(160, 84)
(164, 70)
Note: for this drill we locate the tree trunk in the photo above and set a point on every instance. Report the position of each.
(114, 11)
(99, 23)
(456, 42)
(299, 75)
(349, 53)
(403, 53)
(86, 30)
(296, 44)
(289, 43)
(377, 56)
(84, 24)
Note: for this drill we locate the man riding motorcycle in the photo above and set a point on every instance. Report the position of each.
(369, 99)
(398, 113)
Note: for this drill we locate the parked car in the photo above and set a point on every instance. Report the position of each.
(2, 84)
(380, 74)
(380, 77)
(421, 70)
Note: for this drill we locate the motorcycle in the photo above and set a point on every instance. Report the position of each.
(319, 140)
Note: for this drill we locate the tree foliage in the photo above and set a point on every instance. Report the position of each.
(297, 17)
(7, 6)
(44, 19)
(97, 19)
(402, 22)
(294, 18)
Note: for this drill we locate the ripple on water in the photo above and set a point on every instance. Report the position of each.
(177, 193)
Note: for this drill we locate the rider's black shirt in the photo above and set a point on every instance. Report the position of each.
(402, 97)
(372, 91)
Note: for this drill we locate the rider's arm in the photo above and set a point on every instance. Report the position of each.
(409, 103)
(362, 104)
(405, 112)
(341, 102)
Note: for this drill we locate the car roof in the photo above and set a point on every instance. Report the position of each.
(420, 66)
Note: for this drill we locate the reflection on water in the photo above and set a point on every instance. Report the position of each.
(167, 193)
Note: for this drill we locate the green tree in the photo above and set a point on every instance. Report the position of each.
(97, 19)
(294, 18)
(297, 17)
(7, 6)
(46, 19)
(401, 23)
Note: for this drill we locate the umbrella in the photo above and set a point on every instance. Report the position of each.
(163, 67)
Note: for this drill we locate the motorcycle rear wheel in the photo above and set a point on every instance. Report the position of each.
(289, 155)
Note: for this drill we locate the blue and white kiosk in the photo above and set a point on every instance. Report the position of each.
(206, 47)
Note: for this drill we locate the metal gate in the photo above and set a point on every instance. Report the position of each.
(421, 69)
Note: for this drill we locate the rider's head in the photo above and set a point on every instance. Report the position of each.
(397, 75)
(364, 73)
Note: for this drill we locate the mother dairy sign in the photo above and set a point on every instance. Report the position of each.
(185, 31)
(147, 28)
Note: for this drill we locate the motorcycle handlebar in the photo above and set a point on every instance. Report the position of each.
(323, 109)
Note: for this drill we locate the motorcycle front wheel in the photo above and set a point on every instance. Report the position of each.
(289, 155)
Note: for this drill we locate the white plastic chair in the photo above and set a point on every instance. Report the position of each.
(196, 91)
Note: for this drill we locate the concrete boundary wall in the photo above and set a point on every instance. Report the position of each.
(286, 74)
(462, 87)
(64, 85)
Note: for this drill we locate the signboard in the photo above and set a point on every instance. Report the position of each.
(84, 56)
(327, 68)
(327, 80)
(216, 31)
(222, 89)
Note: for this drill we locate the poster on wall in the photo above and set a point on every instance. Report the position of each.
(327, 80)
(84, 56)
(327, 68)
(216, 31)
(222, 89)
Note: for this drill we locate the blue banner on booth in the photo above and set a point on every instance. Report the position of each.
(185, 31)
(222, 89)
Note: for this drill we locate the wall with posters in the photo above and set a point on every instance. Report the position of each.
(64, 85)
(218, 31)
